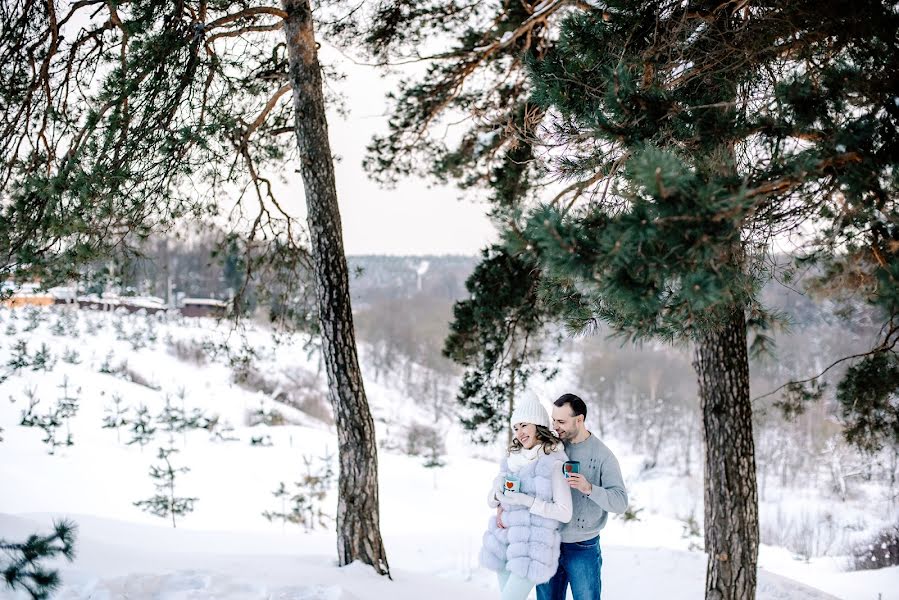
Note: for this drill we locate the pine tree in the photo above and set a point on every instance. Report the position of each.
(67, 407)
(106, 365)
(71, 356)
(261, 440)
(701, 131)
(42, 359)
(687, 135)
(142, 429)
(497, 335)
(35, 317)
(165, 503)
(219, 431)
(482, 74)
(22, 567)
(171, 419)
(19, 360)
(115, 417)
(280, 494)
(216, 97)
(306, 503)
(49, 423)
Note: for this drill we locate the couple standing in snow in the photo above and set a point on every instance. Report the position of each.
(547, 533)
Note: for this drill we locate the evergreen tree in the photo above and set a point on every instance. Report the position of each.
(115, 417)
(482, 75)
(221, 431)
(687, 136)
(171, 419)
(280, 494)
(22, 566)
(261, 440)
(71, 356)
(702, 131)
(152, 114)
(497, 334)
(42, 359)
(306, 503)
(106, 365)
(142, 428)
(67, 407)
(19, 360)
(49, 423)
(165, 503)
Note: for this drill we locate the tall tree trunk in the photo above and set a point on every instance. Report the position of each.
(731, 495)
(358, 532)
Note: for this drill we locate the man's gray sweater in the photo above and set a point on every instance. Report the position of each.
(591, 511)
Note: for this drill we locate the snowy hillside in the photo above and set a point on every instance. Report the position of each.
(260, 419)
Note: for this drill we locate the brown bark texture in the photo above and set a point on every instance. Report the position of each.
(731, 495)
(358, 530)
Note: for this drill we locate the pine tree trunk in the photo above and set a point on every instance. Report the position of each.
(731, 496)
(358, 532)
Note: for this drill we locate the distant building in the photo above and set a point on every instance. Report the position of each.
(25, 294)
(203, 307)
(132, 304)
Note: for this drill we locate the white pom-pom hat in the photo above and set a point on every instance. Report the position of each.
(529, 410)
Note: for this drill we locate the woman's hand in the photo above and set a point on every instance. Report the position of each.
(499, 517)
(518, 498)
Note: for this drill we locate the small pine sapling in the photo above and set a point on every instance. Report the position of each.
(164, 503)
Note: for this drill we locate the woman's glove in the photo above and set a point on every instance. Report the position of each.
(518, 499)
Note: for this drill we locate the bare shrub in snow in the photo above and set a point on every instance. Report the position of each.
(881, 551)
(190, 351)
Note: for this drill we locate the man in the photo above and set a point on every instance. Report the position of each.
(595, 492)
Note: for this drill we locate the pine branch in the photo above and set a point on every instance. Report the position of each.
(886, 346)
(23, 568)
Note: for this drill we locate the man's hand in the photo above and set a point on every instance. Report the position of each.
(499, 515)
(578, 482)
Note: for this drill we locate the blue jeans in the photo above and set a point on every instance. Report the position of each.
(580, 564)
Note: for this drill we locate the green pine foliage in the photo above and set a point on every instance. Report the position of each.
(497, 335)
(106, 366)
(18, 360)
(67, 406)
(22, 568)
(869, 402)
(115, 417)
(51, 421)
(481, 74)
(304, 506)
(702, 137)
(221, 431)
(141, 427)
(43, 359)
(172, 419)
(129, 136)
(71, 356)
(165, 503)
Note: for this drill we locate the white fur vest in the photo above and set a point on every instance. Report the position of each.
(529, 546)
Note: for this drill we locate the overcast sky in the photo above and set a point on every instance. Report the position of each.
(414, 218)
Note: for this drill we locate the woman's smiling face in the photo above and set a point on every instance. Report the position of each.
(526, 433)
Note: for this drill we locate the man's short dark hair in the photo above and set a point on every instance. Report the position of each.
(578, 407)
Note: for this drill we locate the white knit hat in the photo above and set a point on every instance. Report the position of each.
(529, 410)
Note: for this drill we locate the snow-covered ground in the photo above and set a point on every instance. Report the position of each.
(431, 519)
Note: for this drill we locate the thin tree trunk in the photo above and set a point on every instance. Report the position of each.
(731, 494)
(358, 531)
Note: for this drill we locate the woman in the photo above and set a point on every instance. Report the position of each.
(522, 542)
